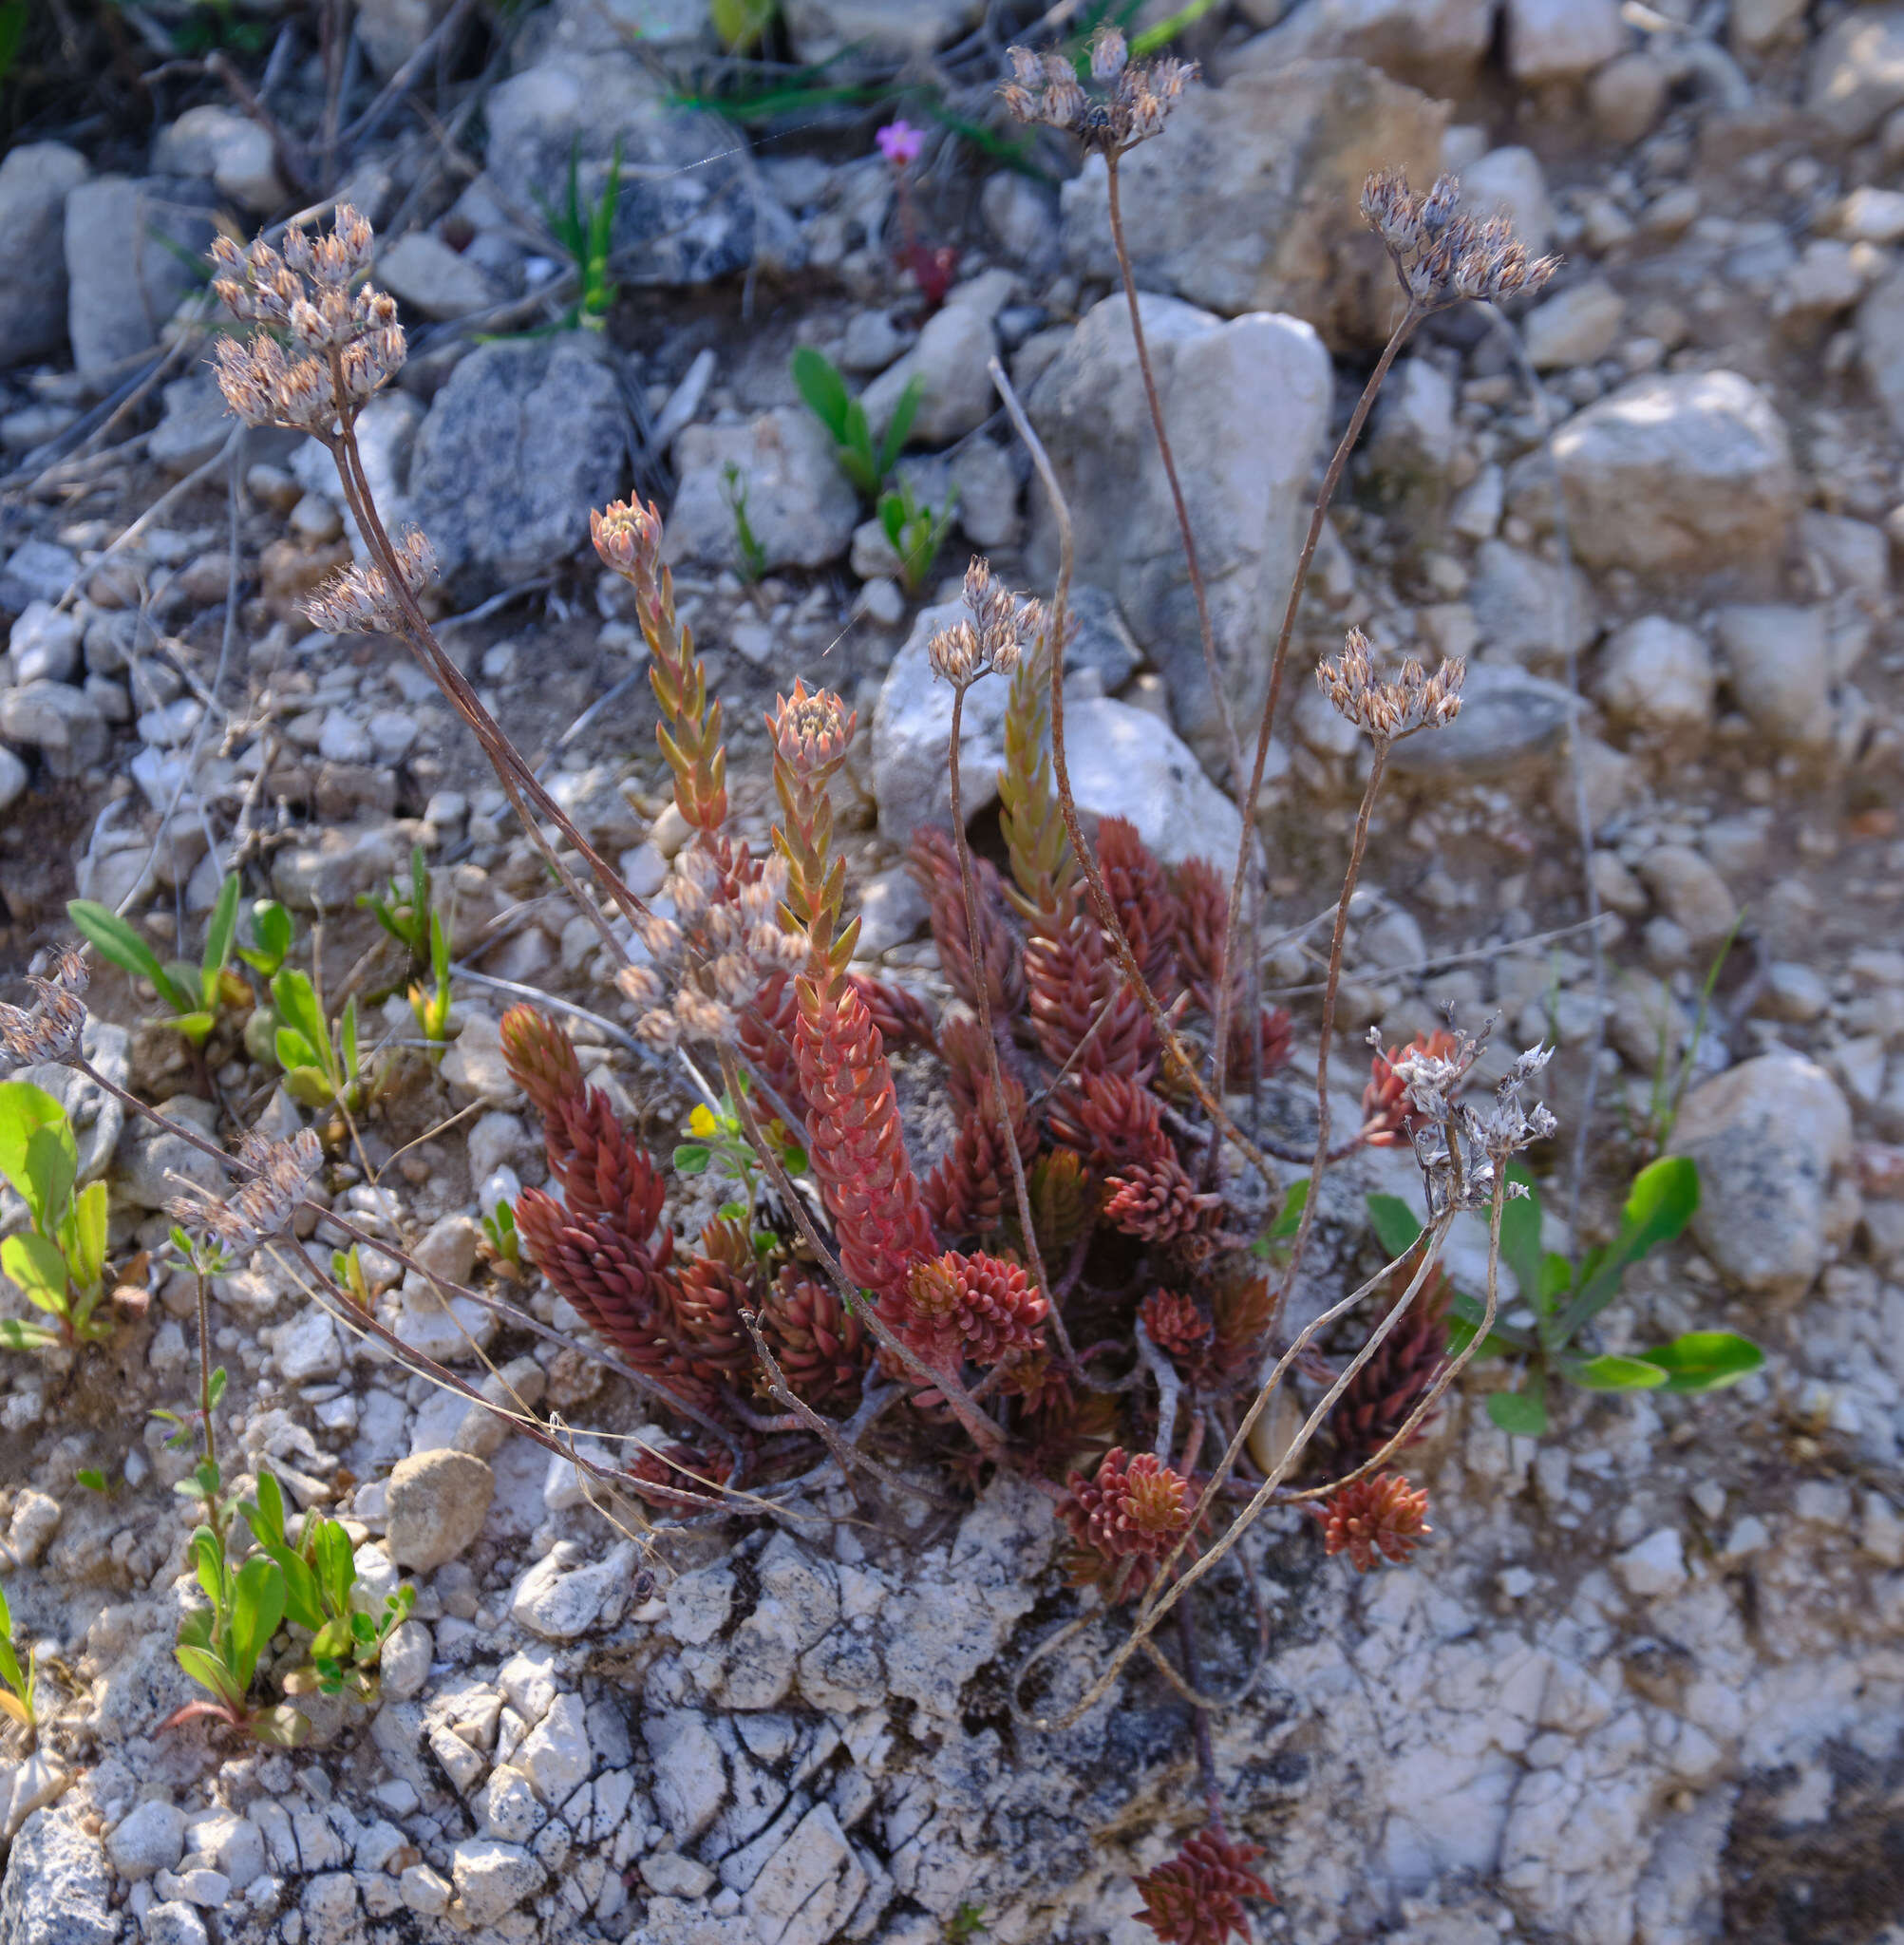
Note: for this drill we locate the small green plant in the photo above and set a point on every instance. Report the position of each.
(586, 231)
(188, 1427)
(501, 1229)
(321, 1062)
(196, 994)
(742, 23)
(1670, 1080)
(59, 1264)
(219, 1645)
(346, 1267)
(405, 912)
(16, 1695)
(965, 1923)
(271, 931)
(430, 1003)
(1562, 1298)
(750, 555)
(320, 1577)
(721, 1138)
(917, 532)
(844, 417)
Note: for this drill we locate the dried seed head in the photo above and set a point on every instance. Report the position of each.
(360, 600)
(954, 654)
(1442, 256)
(1389, 710)
(344, 347)
(53, 1028)
(1136, 101)
(262, 1207)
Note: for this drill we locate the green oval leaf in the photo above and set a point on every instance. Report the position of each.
(691, 1158)
(1611, 1373)
(1706, 1360)
(27, 1113)
(1398, 1229)
(1521, 1413)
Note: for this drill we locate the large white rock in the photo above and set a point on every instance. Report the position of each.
(1857, 73)
(218, 141)
(1684, 473)
(800, 505)
(1434, 43)
(1766, 1136)
(1778, 669)
(1511, 182)
(1657, 674)
(1250, 203)
(1574, 327)
(35, 180)
(1561, 40)
(1247, 407)
(1125, 763)
(131, 249)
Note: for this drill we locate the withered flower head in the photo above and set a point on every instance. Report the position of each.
(262, 1207)
(52, 1026)
(1389, 710)
(1135, 101)
(360, 600)
(343, 347)
(993, 640)
(1443, 255)
(710, 959)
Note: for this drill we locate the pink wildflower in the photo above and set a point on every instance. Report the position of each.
(900, 143)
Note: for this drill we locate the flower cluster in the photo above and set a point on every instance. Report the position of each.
(1197, 1896)
(278, 1173)
(1389, 710)
(991, 640)
(1370, 1515)
(360, 599)
(1386, 1120)
(53, 1028)
(343, 345)
(1461, 1149)
(1134, 102)
(1443, 256)
(1125, 1521)
(710, 960)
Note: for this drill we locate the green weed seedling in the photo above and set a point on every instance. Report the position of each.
(321, 1062)
(844, 417)
(320, 1579)
(16, 1685)
(742, 23)
(585, 231)
(917, 532)
(430, 1003)
(59, 1264)
(196, 994)
(219, 1645)
(500, 1230)
(1564, 1296)
(404, 911)
(748, 553)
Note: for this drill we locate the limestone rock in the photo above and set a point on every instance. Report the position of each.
(1766, 1136)
(800, 505)
(1856, 75)
(35, 180)
(1250, 203)
(1125, 763)
(1684, 473)
(1779, 671)
(437, 1504)
(1435, 44)
(1658, 675)
(525, 439)
(1247, 405)
(424, 272)
(1561, 40)
(130, 249)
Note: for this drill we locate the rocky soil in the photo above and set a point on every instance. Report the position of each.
(1645, 1687)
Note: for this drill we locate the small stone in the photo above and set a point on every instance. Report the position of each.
(36, 1518)
(559, 1605)
(1779, 671)
(1577, 327)
(554, 1755)
(1510, 181)
(1856, 75)
(344, 740)
(672, 1875)
(151, 1837)
(1658, 675)
(507, 1806)
(1561, 40)
(64, 724)
(133, 250)
(1629, 95)
(423, 1890)
(424, 272)
(1655, 1565)
(438, 1502)
(392, 735)
(306, 1348)
(44, 644)
(1691, 893)
(800, 509)
(172, 1923)
(405, 1664)
(35, 180)
(327, 871)
(492, 1878)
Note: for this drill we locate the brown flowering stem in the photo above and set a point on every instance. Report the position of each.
(981, 993)
(1278, 662)
(515, 776)
(1358, 848)
(1185, 1056)
(983, 1433)
(1232, 748)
